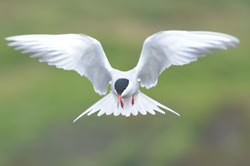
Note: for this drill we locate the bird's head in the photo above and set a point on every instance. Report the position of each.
(121, 86)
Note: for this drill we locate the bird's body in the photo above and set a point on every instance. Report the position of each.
(86, 56)
(120, 78)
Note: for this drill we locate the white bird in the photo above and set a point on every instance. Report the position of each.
(86, 56)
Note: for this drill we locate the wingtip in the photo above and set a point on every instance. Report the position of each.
(8, 38)
(11, 40)
(236, 40)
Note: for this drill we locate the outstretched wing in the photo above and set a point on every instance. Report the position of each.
(78, 52)
(166, 48)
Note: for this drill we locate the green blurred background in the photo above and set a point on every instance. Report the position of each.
(38, 102)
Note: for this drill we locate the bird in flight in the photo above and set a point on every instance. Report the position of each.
(86, 56)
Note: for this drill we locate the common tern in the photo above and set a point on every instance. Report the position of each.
(86, 56)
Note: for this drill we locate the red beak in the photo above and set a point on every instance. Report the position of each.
(120, 100)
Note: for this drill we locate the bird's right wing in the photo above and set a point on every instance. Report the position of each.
(77, 52)
(167, 48)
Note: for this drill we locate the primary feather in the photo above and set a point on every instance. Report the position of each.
(77, 52)
(167, 48)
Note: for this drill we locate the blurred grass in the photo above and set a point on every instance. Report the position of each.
(38, 102)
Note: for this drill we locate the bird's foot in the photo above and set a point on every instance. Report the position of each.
(133, 100)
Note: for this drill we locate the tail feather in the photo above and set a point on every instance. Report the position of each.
(140, 107)
(142, 104)
(160, 105)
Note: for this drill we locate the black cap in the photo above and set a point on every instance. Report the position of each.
(120, 85)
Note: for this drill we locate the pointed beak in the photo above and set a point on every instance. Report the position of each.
(120, 100)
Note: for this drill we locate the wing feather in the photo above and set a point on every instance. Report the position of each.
(167, 48)
(77, 52)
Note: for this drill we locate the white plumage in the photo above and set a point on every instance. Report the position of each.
(86, 56)
(77, 52)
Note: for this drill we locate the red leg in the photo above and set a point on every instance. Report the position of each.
(133, 100)
(121, 104)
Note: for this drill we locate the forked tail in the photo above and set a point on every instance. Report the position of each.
(142, 104)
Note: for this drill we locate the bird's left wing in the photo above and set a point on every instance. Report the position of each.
(167, 48)
(77, 52)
